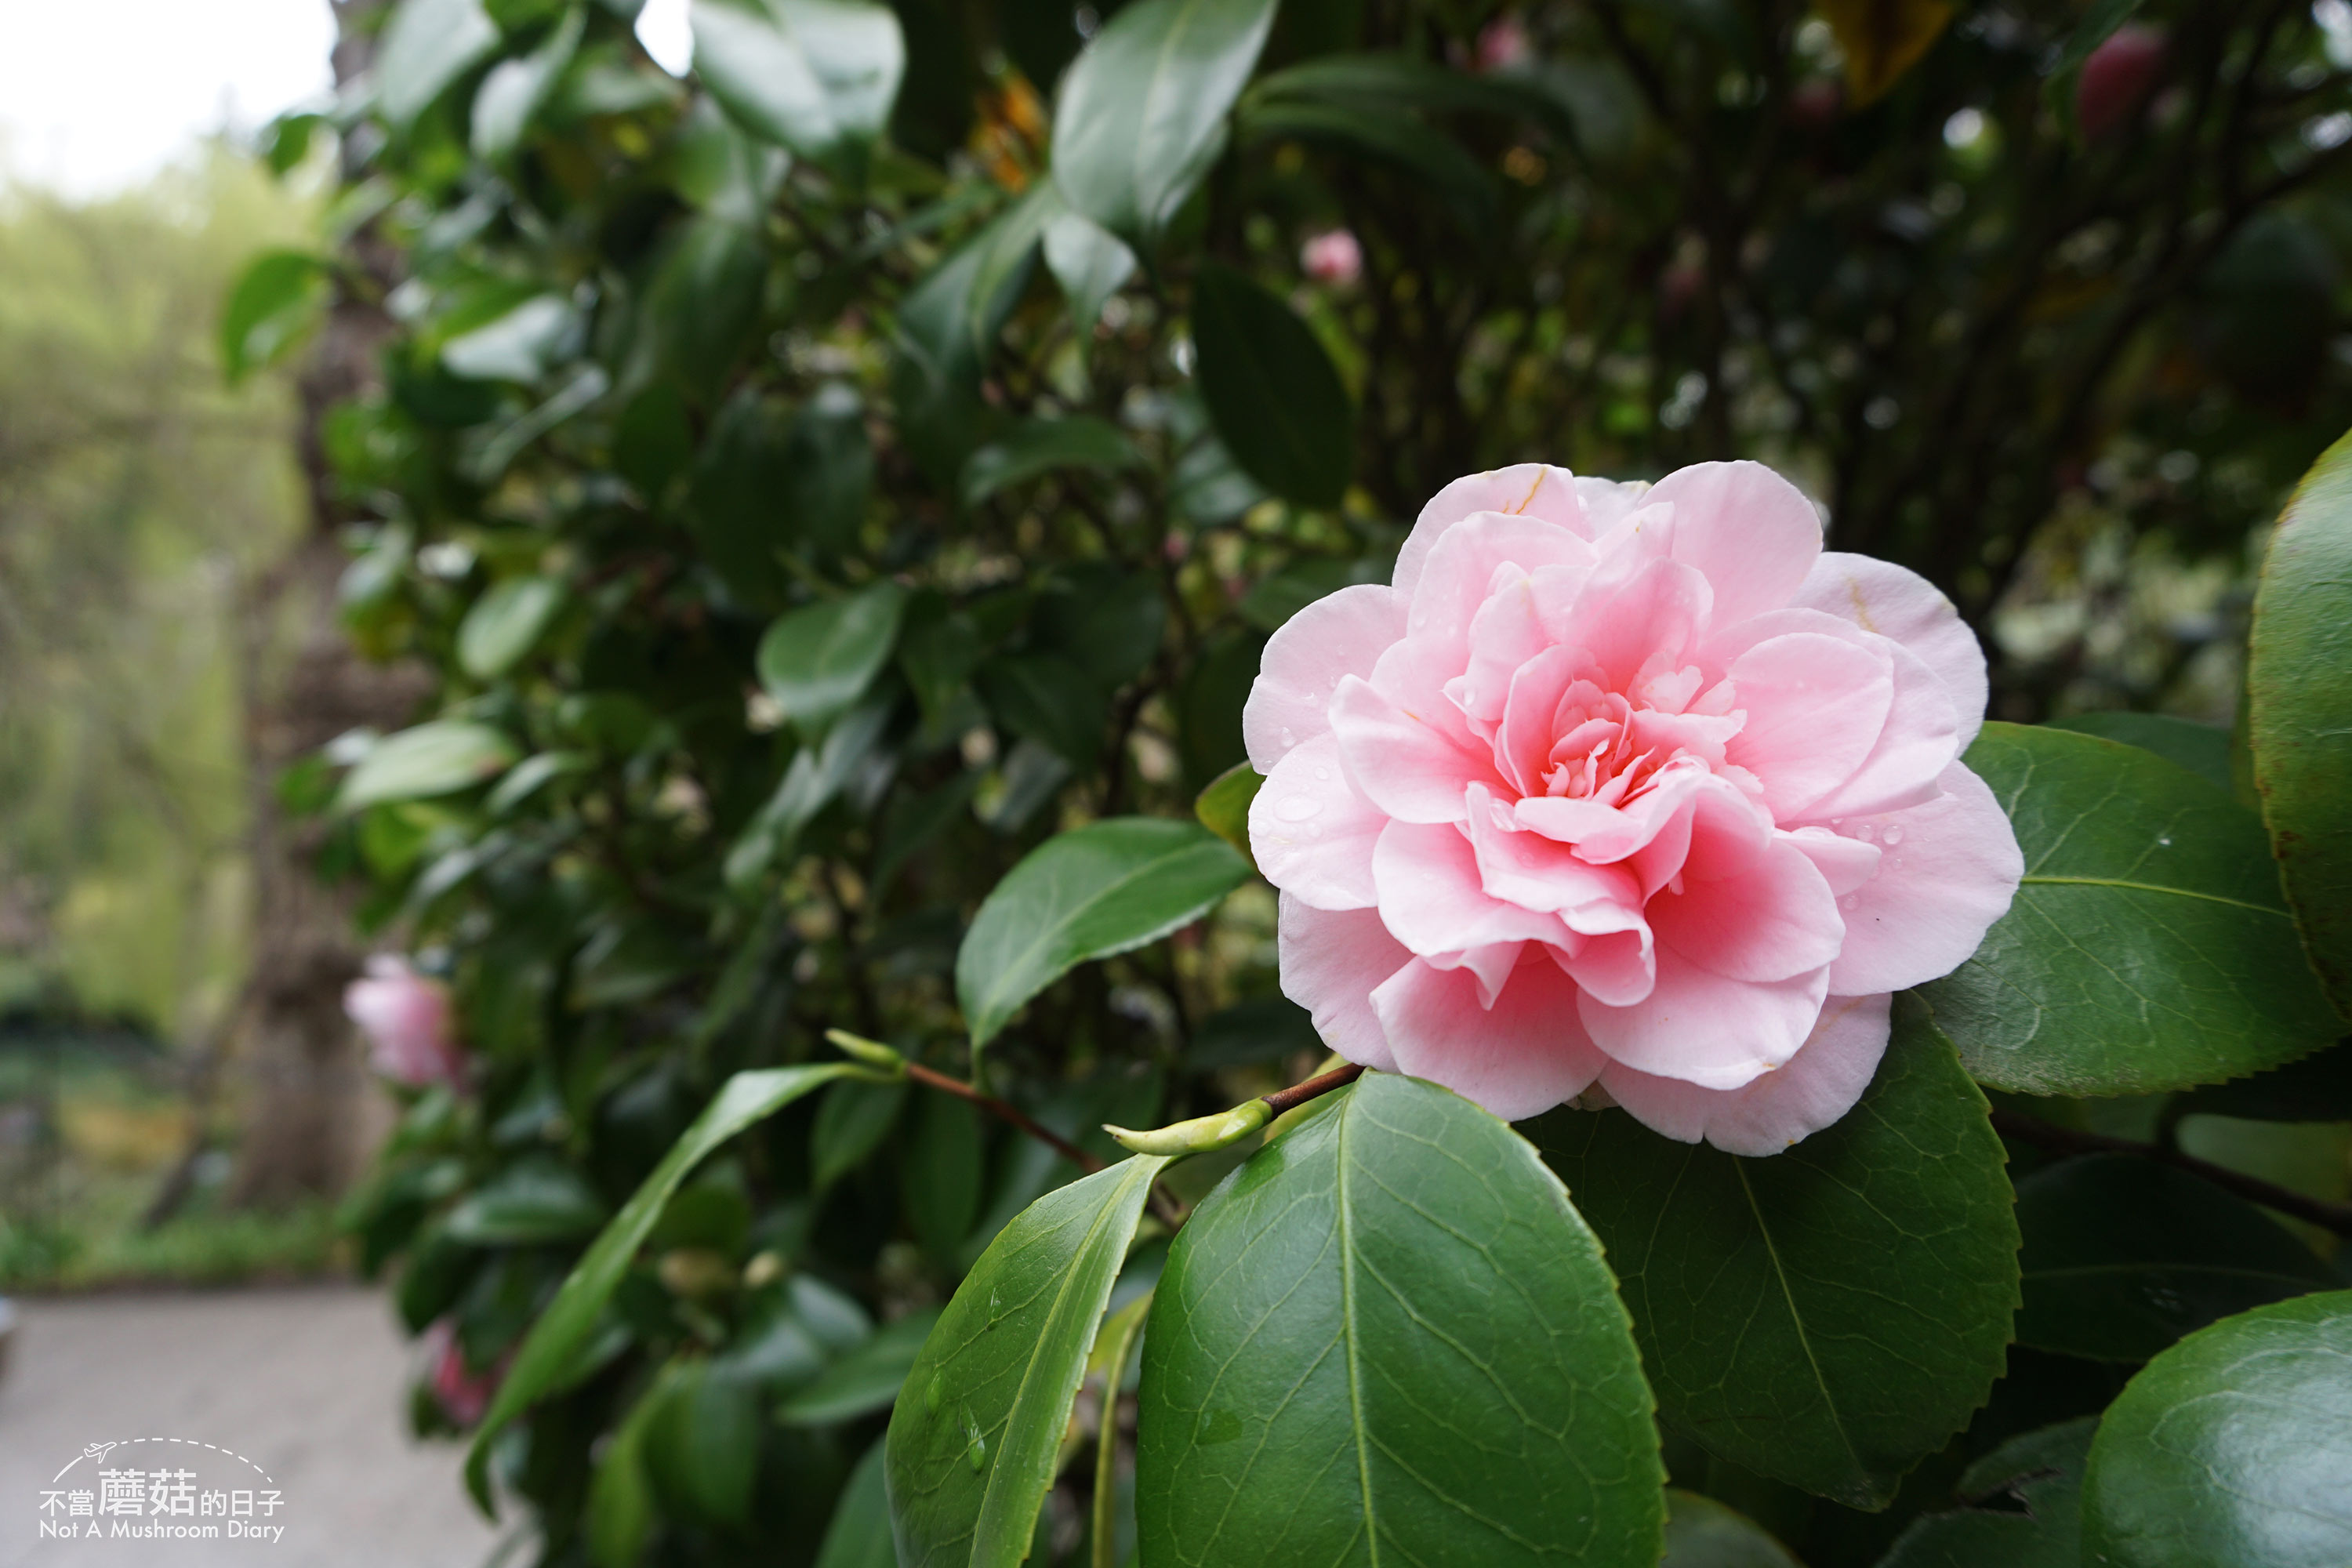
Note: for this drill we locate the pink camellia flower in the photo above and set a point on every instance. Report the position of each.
(2117, 78)
(462, 1392)
(1628, 789)
(1333, 257)
(408, 1022)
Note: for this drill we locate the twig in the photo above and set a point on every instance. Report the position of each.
(1008, 1113)
(1299, 1094)
(2337, 1217)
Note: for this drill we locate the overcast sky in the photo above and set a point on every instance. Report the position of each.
(98, 94)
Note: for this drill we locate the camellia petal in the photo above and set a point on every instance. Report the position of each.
(1411, 769)
(1312, 833)
(1819, 1084)
(1331, 961)
(1708, 1028)
(1947, 871)
(1340, 635)
(1775, 920)
(1524, 1054)
(1815, 709)
(1523, 489)
(1460, 574)
(1892, 602)
(1430, 896)
(1749, 532)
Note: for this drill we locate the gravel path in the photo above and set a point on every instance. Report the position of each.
(307, 1384)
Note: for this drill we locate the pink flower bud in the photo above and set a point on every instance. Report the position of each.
(1503, 44)
(409, 1023)
(463, 1393)
(1332, 257)
(2116, 80)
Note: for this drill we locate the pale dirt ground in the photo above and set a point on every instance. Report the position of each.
(308, 1384)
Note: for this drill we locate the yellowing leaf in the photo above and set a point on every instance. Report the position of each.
(1882, 40)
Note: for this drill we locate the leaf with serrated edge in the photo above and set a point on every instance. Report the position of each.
(1389, 1339)
(1830, 1315)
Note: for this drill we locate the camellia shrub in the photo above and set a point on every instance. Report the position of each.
(1072, 892)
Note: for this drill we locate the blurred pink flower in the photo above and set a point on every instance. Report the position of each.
(2117, 78)
(1333, 257)
(463, 1395)
(408, 1021)
(1502, 43)
(1626, 788)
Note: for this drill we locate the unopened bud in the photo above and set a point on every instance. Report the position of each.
(873, 1053)
(1200, 1134)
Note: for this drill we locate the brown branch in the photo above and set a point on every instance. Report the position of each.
(2337, 1217)
(1008, 1113)
(1299, 1094)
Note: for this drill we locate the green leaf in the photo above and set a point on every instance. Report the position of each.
(1224, 808)
(1050, 699)
(505, 624)
(2024, 1508)
(1143, 111)
(1387, 82)
(428, 44)
(1090, 263)
(1035, 446)
(517, 344)
(529, 1201)
(975, 1434)
(546, 1353)
(817, 662)
(1433, 160)
(515, 89)
(619, 1509)
(2233, 1446)
(1825, 1316)
(1703, 1533)
(817, 773)
(280, 295)
(1100, 889)
(2123, 1256)
(852, 1119)
(2301, 710)
(433, 759)
(1271, 390)
(859, 1535)
(815, 76)
(702, 1444)
(864, 1381)
(2202, 749)
(701, 307)
(2316, 1089)
(2148, 947)
(1388, 1336)
(943, 1173)
(947, 329)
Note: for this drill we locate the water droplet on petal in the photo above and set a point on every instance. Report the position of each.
(1288, 738)
(1849, 901)
(1894, 835)
(1297, 807)
(1322, 775)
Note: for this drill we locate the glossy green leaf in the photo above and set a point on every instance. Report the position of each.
(1271, 393)
(702, 1444)
(2301, 719)
(514, 92)
(704, 301)
(865, 1380)
(546, 1352)
(1224, 808)
(948, 326)
(517, 344)
(1825, 1316)
(815, 76)
(2148, 947)
(428, 44)
(1142, 112)
(817, 773)
(818, 661)
(852, 1119)
(2202, 749)
(976, 1431)
(1090, 263)
(528, 1203)
(859, 1535)
(433, 759)
(2023, 1508)
(2316, 1089)
(1037, 446)
(1097, 891)
(2233, 1446)
(275, 301)
(1387, 82)
(620, 1509)
(505, 624)
(2123, 1256)
(942, 1172)
(1388, 1338)
(1703, 1533)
